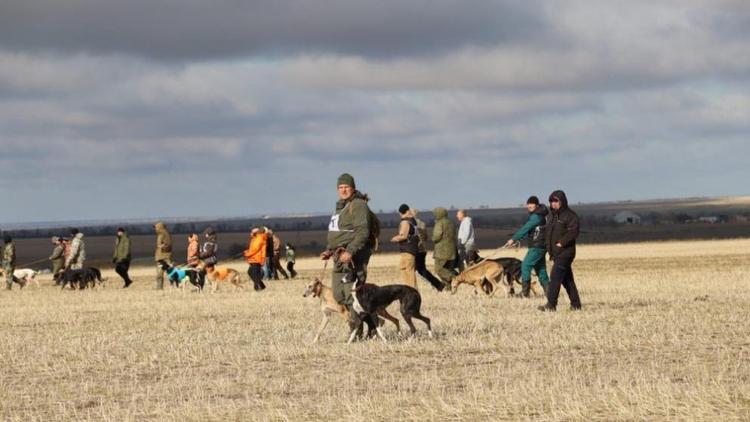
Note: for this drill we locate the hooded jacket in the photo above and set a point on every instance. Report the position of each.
(77, 252)
(443, 236)
(350, 225)
(163, 243)
(563, 228)
(122, 248)
(466, 233)
(534, 228)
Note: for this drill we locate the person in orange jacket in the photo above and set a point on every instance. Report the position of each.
(255, 255)
(193, 259)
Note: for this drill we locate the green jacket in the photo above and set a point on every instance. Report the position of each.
(353, 229)
(443, 236)
(122, 248)
(9, 255)
(163, 243)
(291, 256)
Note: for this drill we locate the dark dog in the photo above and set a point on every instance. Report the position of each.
(177, 275)
(512, 272)
(370, 300)
(82, 278)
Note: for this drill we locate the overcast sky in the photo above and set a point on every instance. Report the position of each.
(155, 108)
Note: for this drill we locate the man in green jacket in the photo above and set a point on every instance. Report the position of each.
(350, 241)
(121, 257)
(9, 261)
(444, 238)
(57, 258)
(163, 252)
(533, 230)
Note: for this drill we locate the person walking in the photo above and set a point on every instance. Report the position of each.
(268, 265)
(466, 241)
(77, 257)
(352, 237)
(9, 262)
(444, 239)
(408, 246)
(534, 230)
(121, 256)
(276, 259)
(163, 252)
(193, 251)
(255, 255)
(561, 233)
(210, 249)
(291, 259)
(57, 258)
(421, 261)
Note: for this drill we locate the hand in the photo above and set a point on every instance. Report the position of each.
(345, 257)
(394, 239)
(326, 255)
(558, 244)
(509, 243)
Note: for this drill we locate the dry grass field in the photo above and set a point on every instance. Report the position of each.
(663, 335)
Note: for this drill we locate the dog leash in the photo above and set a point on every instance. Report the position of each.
(494, 255)
(38, 261)
(323, 273)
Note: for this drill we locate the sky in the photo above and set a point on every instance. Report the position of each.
(184, 108)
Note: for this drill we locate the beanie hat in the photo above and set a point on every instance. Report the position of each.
(403, 209)
(346, 179)
(533, 200)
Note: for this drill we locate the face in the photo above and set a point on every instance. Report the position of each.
(345, 192)
(555, 204)
(119, 234)
(532, 207)
(311, 288)
(460, 216)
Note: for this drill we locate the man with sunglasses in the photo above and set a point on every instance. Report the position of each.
(561, 234)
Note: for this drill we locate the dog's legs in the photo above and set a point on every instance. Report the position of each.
(384, 313)
(412, 328)
(380, 334)
(427, 321)
(323, 325)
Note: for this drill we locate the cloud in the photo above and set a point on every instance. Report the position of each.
(264, 103)
(197, 30)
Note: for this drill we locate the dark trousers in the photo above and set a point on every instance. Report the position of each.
(277, 268)
(122, 269)
(562, 275)
(422, 270)
(256, 275)
(290, 268)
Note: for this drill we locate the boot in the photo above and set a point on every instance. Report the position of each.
(546, 308)
(128, 282)
(526, 289)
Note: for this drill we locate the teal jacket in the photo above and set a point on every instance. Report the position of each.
(534, 228)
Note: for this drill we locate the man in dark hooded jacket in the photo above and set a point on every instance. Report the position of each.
(561, 234)
(534, 230)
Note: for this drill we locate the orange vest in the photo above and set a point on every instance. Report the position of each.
(256, 252)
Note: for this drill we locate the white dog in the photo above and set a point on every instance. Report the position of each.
(24, 276)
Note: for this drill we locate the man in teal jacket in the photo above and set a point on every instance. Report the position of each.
(534, 230)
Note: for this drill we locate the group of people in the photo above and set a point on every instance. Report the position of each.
(353, 235)
(264, 257)
(353, 232)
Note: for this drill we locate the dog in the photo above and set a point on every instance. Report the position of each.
(23, 276)
(477, 274)
(370, 300)
(82, 278)
(329, 306)
(512, 268)
(219, 275)
(177, 276)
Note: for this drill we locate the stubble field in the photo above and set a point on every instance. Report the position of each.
(663, 335)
